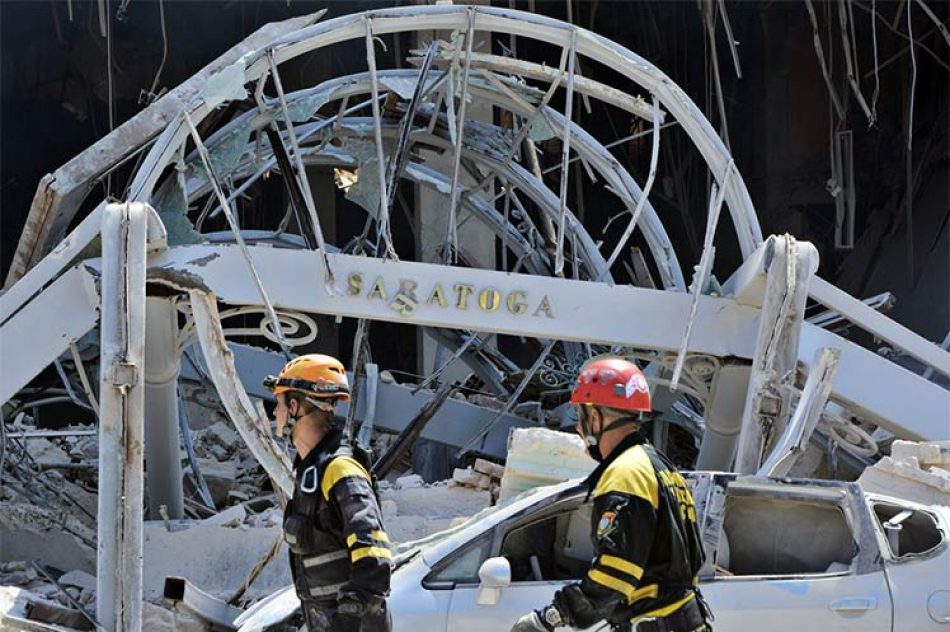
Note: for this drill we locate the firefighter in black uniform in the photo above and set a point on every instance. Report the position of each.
(647, 544)
(339, 553)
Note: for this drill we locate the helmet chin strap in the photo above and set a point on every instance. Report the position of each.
(292, 419)
(591, 438)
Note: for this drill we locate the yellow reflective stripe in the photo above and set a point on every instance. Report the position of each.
(622, 565)
(340, 467)
(665, 610)
(622, 587)
(371, 551)
(631, 473)
(376, 534)
(650, 591)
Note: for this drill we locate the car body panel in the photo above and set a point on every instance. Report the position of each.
(856, 595)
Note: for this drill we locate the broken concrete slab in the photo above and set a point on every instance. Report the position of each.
(162, 619)
(78, 579)
(926, 453)
(471, 478)
(230, 517)
(221, 478)
(488, 468)
(216, 558)
(905, 479)
(538, 456)
(30, 532)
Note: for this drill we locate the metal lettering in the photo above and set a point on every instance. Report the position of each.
(515, 304)
(437, 296)
(463, 290)
(379, 290)
(404, 304)
(354, 284)
(489, 299)
(545, 307)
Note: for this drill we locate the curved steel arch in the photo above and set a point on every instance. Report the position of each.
(404, 19)
(588, 148)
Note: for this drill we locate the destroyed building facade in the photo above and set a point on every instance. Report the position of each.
(435, 210)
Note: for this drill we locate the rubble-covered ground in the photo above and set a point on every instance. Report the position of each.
(48, 508)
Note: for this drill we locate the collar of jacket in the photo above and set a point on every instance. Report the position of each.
(628, 442)
(330, 442)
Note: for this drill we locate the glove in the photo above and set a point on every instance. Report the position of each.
(538, 621)
(342, 622)
(576, 609)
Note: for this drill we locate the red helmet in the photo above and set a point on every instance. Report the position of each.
(612, 382)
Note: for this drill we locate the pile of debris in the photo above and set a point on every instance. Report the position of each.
(916, 471)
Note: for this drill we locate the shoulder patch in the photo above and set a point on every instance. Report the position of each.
(339, 468)
(606, 524)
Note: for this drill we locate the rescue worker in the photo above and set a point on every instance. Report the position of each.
(647, 545)
(339, 553)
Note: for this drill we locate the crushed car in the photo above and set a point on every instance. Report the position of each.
(814, 554)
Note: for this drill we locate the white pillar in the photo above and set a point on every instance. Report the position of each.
(723, 417)
(162, 366)
(121, 418)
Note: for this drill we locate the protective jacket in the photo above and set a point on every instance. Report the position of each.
(647, 544)
(333, 526)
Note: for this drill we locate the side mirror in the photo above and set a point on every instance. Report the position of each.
(495, 574)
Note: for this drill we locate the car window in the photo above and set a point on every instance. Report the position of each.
(766, 535)
(557, 547)
(462, 567)
(909, 532)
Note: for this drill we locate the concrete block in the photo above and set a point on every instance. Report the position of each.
(927, 453)
(489, 469)
(79, 579)
(539, 456)
(409, 482)
(159, 619)
(470, 478)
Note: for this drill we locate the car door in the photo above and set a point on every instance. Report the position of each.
(916, 544)
(544, 551)
(798, 556)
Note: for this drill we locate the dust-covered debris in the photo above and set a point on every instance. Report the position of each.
(915, 471)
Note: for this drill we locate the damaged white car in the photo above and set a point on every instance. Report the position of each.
(815, 555)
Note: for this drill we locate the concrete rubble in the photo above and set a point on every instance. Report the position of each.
(915, 471)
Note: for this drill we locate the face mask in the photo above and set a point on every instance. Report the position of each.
(288, 430)
(593, 449)
(591, 441)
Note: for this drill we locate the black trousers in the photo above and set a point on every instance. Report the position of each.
(319, 614)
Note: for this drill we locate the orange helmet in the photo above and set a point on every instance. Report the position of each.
(314, 375)
(612, 382)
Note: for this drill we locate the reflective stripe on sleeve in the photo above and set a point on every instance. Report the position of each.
(370, 551)
(323, 591)
(618, 585)
(379, 536)
(319, 560)
(622, 565)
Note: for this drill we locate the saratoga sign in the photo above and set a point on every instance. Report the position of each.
(407, 296)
